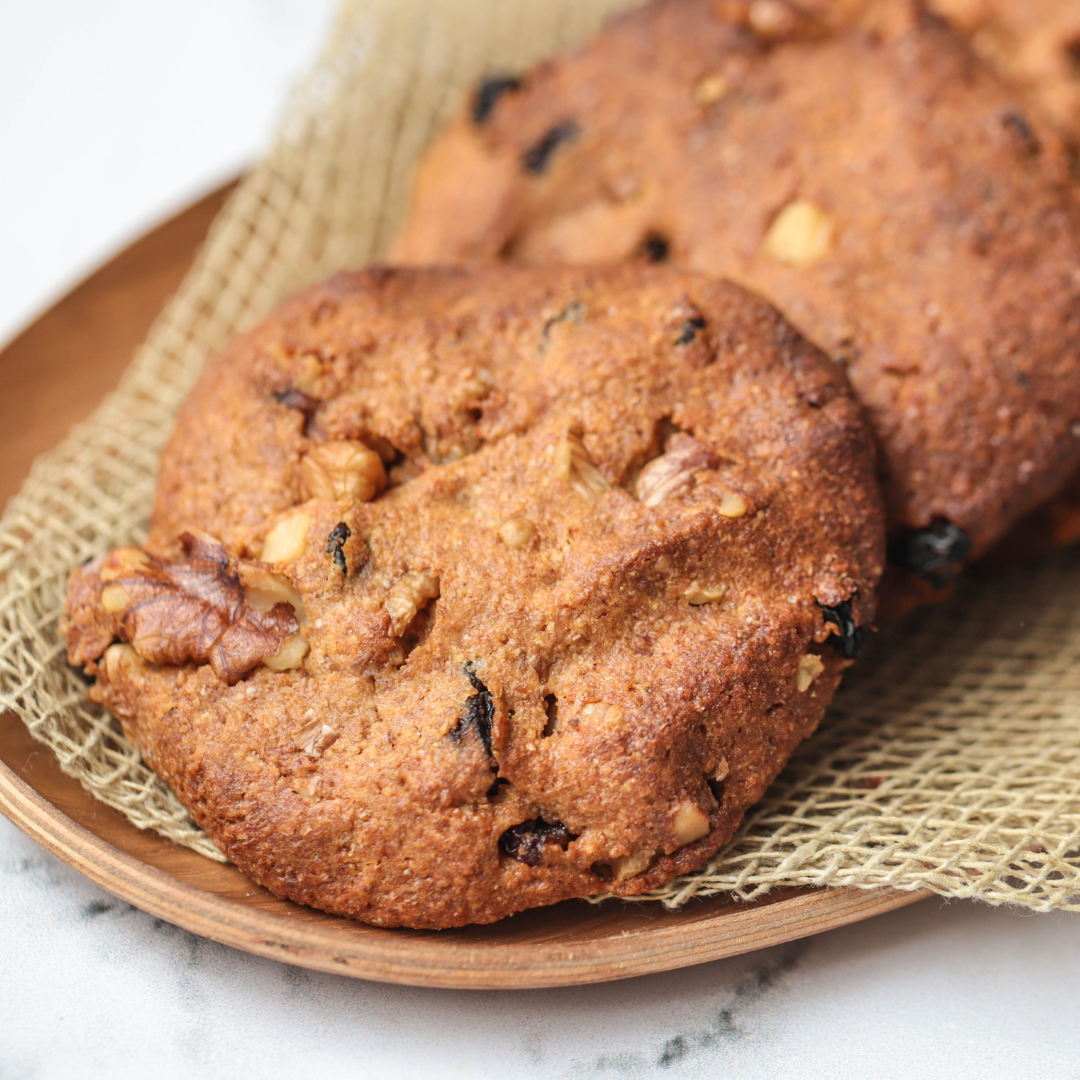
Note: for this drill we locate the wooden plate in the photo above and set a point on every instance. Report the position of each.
(52, 376)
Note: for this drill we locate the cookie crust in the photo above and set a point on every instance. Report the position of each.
(627, 529)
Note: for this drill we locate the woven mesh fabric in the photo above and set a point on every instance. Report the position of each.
(951, 758)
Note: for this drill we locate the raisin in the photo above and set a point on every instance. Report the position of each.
(335, 543)
(479, 713)
(656, 248)
(525, 842)
(297, 399)
(487, 96)
(850, 639)
(537, 158)
(1017, 124)
(935, 553)
(689, 330)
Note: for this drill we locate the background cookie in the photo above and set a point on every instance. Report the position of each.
(1034, 44)
(468, 592)
(882, 187)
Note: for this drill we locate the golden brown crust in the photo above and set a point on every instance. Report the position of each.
(1033, 44)
(880, 186)
(592, 593)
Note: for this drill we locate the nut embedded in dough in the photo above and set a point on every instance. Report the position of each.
(287, 540)
(314, 737)
(197, 610)
(517, 533)
(801, 235)
(627, 866)
(343, 469)
(810, 667)
(573, 464)
(691, 822)
(407, 597)
(711, 89)
(697, 595)
(668, 475)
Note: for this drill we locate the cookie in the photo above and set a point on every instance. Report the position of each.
(468, 592)
(880, 186)
(1034, 45)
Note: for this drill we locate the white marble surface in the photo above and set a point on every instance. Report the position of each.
(111, 115)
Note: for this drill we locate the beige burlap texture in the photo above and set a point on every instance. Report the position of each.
(950, 760)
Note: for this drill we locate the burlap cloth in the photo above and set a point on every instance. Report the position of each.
(951, 758)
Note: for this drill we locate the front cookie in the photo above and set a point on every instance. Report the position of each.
(474, 591)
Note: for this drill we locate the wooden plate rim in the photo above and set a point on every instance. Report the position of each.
(416, 961)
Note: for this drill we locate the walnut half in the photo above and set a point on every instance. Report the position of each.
(205, 608)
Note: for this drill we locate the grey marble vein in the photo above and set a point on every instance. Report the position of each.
(92, 987)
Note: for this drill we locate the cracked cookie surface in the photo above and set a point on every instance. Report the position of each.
(882, 187)
(471, 591)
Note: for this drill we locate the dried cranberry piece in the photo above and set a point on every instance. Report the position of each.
(537, 158)
(850, 639)
(525, 842)
(1018, 125)
(297, 399)
(936, 553)
(656, 248)
(487, 96)
(335, 542)
(689, 329)
(479, 714)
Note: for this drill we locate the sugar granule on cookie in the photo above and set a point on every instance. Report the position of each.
(472, 591)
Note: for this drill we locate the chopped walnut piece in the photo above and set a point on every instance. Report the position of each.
(626, 866)
(772, 19)
(603, 713)
(517, 533)
(197, 610)
(573, 464)
(669, 474)
(290, 656)
(690, 822)
(307, 787)
(315, 737)
(408, 596)
(810, 667)
(711, 89)
(705, 594)
(287, 540)
(732, 506)
(801, 235)
(343, 469)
